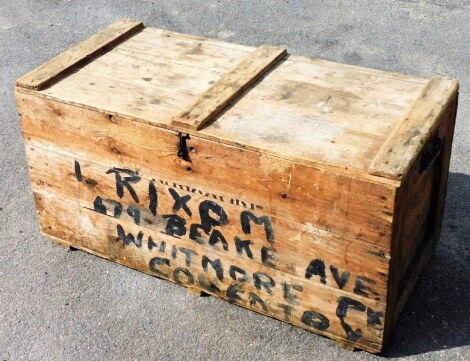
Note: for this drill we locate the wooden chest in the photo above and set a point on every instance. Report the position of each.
(299, 188)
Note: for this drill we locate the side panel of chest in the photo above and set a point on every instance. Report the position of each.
(300, 244)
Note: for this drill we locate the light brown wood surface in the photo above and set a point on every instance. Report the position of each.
(354, 268)
(89, 230)
(228, 88)
(408, 138)
(298, 244)
(306, 110)
(99, 43)
(337, 202)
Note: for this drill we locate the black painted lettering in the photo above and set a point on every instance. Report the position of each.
(117, 207)
(241, 245)
(78, 171)
(268, 256)
(373, 317)
(188, 277)
(262, 280)
(360, 288)
(341, 311)
(232, 293)
(255, 300)
(234, 270)
(315, 320)
(153, 197)
(340, 279)
(180, 202)
(288, 295)
(133, 177)
(155, 264)
(175, 226)
(246, 217)
(151, 245)
(316, 268)
(216, 265)
(129, 238)
(217, 236)
(207, 221)
(98, 205)
(210, 286)
(189, 253)
(287, 310)
(195, 235)
(134, 212)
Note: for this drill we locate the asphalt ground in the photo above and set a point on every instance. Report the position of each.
(57, 305)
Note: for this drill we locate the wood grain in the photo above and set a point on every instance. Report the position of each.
(296, 244)
(228, 88)
(97, 44)
(419, 206)
(336, 202)
(406, 141)
(95, 233)
(338, 116)
(316, 198)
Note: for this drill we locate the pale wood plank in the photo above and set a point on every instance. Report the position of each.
(296, 244)
(404, 144)
(98, 43)
(336, 201)
(228, 88)
(358, 69)
(64, 219)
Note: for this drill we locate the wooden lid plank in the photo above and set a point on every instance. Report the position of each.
(228, 88)
(48, 73)
(405, 142)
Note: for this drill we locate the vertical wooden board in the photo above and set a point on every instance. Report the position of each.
(411, 249)
(330, 200)
(437, 175)
(299, 250)
(315, 307)
(417, 221)
(441, 186)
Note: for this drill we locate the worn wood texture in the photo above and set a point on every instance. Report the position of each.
(405, 143)
(315, 198)
(336, 115)
(69, 60)
(328, 311)
(419, 209)
(346, 256)
(411, 262)
(332, 201)
(228, 88)
(316, 274)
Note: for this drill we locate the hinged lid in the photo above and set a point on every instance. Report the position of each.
(308, 110)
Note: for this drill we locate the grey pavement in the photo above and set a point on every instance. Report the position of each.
(57, 305)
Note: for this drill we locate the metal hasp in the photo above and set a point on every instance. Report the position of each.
(183, 152)
(431, 152)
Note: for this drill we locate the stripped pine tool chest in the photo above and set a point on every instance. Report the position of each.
(299, 188)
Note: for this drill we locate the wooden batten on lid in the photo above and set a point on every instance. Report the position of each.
(303, 189)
